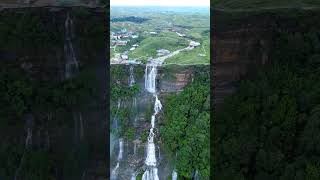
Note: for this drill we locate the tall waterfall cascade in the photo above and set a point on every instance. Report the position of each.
(72, 65)
(151, 172)
(131, 77)
(120, 154)
(150, 78)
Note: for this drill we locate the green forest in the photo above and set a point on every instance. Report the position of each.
(186, 127)
(269, 128)
(34, 96)
(21, 97)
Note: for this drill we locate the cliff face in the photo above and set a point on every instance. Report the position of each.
(68, 131)
(170, 80)
(243, 40)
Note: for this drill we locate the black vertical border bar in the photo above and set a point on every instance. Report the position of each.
(108, 90)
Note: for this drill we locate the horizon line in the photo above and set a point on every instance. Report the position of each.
(117, 5)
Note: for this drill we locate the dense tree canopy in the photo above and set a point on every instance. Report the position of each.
(270, 127)
(186, 127)
(21, 96)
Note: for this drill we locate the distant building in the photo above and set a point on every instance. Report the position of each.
(194, 44)
(133, 48)
(124, 56)
(153, 33)
(134, 36)
(123, 30)
(135, 45)
(180, 34)
(121, 43)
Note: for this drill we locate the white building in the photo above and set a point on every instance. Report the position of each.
(121, 43)
(134, 36)
(124, 56)
(180, 34)
(194, 44)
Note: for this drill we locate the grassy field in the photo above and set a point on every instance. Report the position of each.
(193, 56)
(196, 26)
(250, 4)
(165, 40)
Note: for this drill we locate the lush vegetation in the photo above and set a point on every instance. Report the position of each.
(150, 44)
(35, 37)
(186, 127)
(20, 96)
(193, 22)
(269, 129)
(20, 31)
(121, 91)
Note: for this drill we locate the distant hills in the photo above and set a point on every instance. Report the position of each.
(134, 19)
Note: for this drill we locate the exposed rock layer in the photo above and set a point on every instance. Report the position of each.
(243, 40)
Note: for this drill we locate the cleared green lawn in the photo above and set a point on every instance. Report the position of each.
(149, 46)
(192, 57)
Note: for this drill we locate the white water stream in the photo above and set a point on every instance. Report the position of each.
(174, 175)
(151, 172)
(131, 77)
(71, 66)
(120, 154)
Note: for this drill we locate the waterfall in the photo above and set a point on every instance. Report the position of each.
(196, 175)
(71, 66)
(28, 140)
(115, 118)
(151, 172)
(120, 154)
(174, 175)
(81, 126)
(150, 78)
(133, 176)
(131, 77)
(120, 149)
(134, 99)
(134, 102)
(159, 157)
(134, 147)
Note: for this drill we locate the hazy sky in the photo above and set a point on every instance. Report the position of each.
(160, 3)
